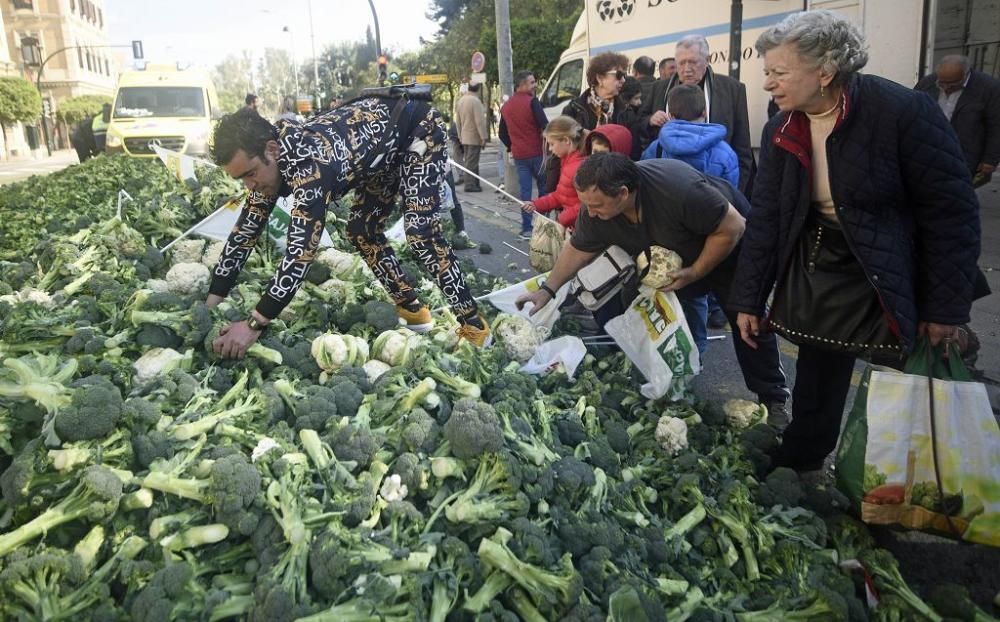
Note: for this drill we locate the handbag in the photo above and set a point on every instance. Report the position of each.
(602, 278)
(547, 239)
(826, 300)
(921, 449)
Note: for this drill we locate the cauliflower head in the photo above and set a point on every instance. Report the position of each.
(342, 265)
(333, 351)
(519, 336)
(189, 279)
(158, 362)
(744, 413)
(661, 263)
(375, 368)
(212, 253)
(395, 347)
(672, 434)
(187, 251)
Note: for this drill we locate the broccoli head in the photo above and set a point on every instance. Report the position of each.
(93, 412)
(156, 602)
(473, 429)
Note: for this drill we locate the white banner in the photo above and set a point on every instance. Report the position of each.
(181, 165)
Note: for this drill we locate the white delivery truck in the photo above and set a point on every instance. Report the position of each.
(905, 37)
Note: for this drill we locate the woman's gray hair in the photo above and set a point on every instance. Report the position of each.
(823, 38)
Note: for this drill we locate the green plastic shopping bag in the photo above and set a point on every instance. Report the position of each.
(898, 465)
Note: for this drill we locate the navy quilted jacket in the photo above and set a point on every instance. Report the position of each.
(903, 197)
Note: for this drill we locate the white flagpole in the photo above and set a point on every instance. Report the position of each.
(188, 232)
(491, 185)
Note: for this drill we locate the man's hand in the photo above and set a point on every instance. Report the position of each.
(749, 328)
(937, 333)
(538, 299)
(681, 278)
(658, 119)
(234, 339)
(986, 169)
(527, 207)
(213, 301)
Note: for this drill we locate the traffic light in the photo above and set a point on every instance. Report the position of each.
(383, 66)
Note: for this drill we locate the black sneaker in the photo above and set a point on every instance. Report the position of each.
(717, 319)
(777, 415)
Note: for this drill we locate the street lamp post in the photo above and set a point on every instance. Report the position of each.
(378, 36)
(38, 82)
(295, 68)
(312, 42)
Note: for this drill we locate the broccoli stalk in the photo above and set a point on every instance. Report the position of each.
(193, 537)
(885, 572)
(41, 379)
(953, 601)
(494, 585)
(491, 496)
(110, 449)
(563, 588)
(825, 605)
(460, 386)
(251, 404)
(286, 498)
(95, 498)
(325, 461)
(522, 604)
(736, 519)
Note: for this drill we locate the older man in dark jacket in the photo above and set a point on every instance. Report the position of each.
(971, 102)
(726, 100)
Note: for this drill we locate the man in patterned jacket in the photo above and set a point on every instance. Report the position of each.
(381, 147)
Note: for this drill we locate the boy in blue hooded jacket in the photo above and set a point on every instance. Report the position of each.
(687, 137)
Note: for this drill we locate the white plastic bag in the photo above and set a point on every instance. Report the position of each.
(567, 351)
(504, 299)
(655, 336)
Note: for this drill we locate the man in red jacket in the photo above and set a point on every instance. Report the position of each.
(521, 123)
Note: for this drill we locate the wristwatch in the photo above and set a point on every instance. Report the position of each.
(548, 290)
(255, 324)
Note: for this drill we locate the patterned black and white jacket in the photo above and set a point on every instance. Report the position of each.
(319, 161)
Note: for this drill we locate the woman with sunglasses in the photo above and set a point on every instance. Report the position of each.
(601, 104)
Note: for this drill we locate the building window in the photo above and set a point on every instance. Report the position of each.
(79, 54)
(100, 17)
(23, 4)
(107, 67)
(90, 62)
(72, 5)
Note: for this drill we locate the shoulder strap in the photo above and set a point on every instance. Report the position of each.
(377, 150)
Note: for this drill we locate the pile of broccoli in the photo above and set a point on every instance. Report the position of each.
(144, 478)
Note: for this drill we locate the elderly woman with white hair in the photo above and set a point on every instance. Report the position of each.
(864, 223)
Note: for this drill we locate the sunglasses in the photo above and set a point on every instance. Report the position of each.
(619, 75)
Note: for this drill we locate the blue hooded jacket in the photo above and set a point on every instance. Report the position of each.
(699, 144)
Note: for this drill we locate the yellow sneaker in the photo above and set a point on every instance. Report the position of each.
(479, 337)
(419, 321)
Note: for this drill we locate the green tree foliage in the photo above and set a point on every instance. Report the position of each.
(76, 109)
(536, 42)
(274, 80)
(233, 80)
(19, 101)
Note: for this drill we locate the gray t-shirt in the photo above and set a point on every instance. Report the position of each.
(678, 208)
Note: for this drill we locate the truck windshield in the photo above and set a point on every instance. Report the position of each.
(159, 101)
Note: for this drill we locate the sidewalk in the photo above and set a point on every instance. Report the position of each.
(22, 168)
